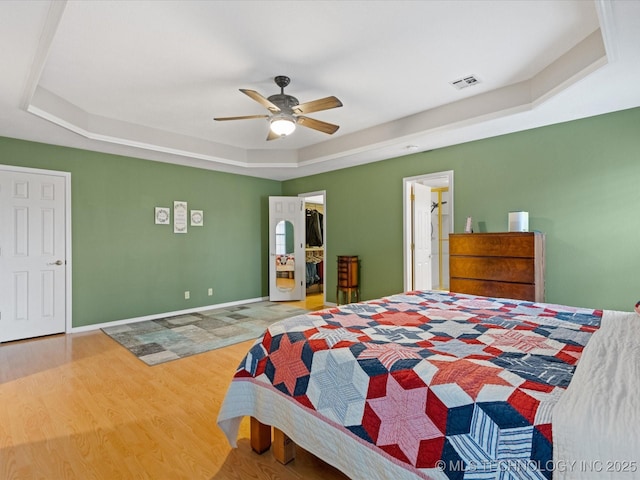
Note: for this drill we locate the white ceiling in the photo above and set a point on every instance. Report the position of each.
(145, 79)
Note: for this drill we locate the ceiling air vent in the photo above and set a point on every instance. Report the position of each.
(465, 82)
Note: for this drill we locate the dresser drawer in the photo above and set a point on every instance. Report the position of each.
(486, 288)
(493, 244)
(510, 269)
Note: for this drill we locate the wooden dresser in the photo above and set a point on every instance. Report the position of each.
(507, 265)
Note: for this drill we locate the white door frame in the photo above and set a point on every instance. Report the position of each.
(67, 221)
(322, 193)
(431, 179)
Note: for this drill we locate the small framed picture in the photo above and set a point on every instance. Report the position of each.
(197, 218)
(163, 216)
(179, 217)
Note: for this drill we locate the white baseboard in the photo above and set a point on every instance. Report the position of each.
(155, 316)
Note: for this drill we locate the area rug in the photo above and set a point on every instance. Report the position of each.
(161, 340)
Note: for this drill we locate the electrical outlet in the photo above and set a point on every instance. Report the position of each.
(187, 295)
(210, 292)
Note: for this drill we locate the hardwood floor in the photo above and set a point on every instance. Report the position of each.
(80, 406)
(311, 302)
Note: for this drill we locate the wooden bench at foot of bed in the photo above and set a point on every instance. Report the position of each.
(284, 450)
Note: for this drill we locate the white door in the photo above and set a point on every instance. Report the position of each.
(32, 254)
(286, 249)
(421, 207)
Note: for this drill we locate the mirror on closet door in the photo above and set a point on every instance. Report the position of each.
(285, 257)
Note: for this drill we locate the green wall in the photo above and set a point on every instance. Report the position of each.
(125, 266)
(579, 181)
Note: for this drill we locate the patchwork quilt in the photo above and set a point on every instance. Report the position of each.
(437, 385)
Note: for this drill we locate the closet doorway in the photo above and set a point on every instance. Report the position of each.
(315, 207)
(428, 220)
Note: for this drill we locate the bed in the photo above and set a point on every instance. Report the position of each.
(440, 386)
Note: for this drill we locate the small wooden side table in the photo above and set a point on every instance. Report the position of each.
(348, 284)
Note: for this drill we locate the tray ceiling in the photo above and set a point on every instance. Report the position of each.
(145, 79)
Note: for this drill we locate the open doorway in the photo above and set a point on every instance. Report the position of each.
(428, 220)
(315, 206)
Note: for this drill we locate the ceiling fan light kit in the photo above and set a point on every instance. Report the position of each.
(286, 111)
(282, 124)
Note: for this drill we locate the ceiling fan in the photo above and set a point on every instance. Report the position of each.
(287, 112)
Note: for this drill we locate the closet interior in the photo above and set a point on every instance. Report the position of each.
(314, 252)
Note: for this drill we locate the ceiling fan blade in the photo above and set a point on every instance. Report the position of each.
(261, 100)
(244, 117)
(317, 105)
(319, 125)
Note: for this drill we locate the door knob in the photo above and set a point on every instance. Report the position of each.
(57, 262)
